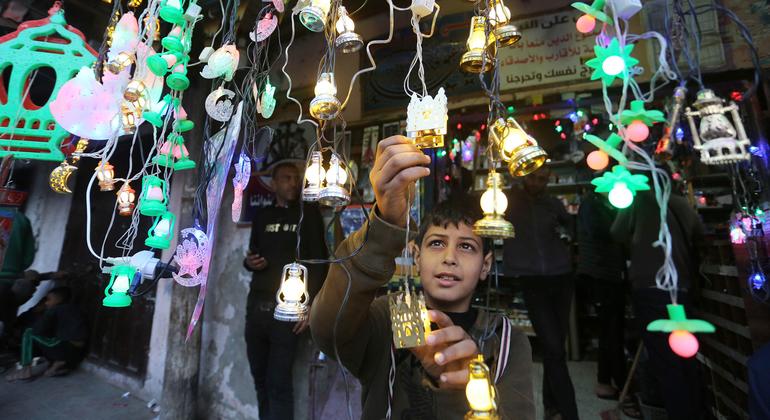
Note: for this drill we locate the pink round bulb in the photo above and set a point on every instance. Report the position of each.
(683, 343)
(586, 24)
(637, 131)
(597, 160)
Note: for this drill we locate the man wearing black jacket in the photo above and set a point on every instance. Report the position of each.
(271, 344)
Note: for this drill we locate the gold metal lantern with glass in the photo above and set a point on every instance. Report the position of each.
(476, 59)
(504, 32)
(493, 204)
(516, 147)
(480, 392)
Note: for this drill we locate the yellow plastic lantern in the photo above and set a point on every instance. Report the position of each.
(480, 392)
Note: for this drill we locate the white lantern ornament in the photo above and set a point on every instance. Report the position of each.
(292, 297)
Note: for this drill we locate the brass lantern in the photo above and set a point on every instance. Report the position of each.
(504, 32)
(516, 147)
(493, 203)
(476, 59)
(120, 63)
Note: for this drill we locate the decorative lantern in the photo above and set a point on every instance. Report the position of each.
(426, 120)
(126, 197)
(480, 392)
(161, 231)
(493, 203)
(681, 339)
(611, 61)
(505, 33)
(134, 91)
(409, 319)
(128, 118)
(292, 296)
(325, 105)
(267, 100)
(154, 196)
(174, 154)
(178, 80)
(637, 120)
(116, 292)
(120, 63)
(105, 173)
(335, 193)
(314, 15)
(719, 141)
(621, 186)
(347, 40)
(519, 149)
(586, 23)
(314, 177)
(476, 59)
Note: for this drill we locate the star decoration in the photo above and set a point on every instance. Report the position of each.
(610, 59)
(620, 174)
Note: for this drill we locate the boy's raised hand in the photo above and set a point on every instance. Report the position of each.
(447, 353)
(398, 164)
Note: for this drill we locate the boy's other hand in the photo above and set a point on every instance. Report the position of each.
(398, 164)
(447, 353)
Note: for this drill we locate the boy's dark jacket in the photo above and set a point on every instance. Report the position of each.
(364, 339)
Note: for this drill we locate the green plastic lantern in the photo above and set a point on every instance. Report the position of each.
(621, 186)
(161, 232)
(172, 12)
(154, 196)
(681, 338)
(611, 62)
(116, 293)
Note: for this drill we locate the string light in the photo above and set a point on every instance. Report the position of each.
(516, 147)
(314, 15)
(126, 196)
(325, 105)
(621, 186)
(105, 173)
(347, 39)
(681, 340)
(587, 22)
(161, 232)
(116, 292)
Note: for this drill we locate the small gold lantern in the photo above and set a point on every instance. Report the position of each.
(493, 204)
(516, 147)
(476, 59)
(505, 33)
(120, 63)
(480, 392)
(105, 173)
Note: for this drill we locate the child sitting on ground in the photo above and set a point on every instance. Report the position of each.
(428, 382)
(59, 336)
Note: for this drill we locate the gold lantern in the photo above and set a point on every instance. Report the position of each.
(480, 392)
(105, 173)
(134, 90)
(493, 203)
(292, 296)
(516, 147)
(126, 198)
(347, 40)
(120, 63)
(505, 33)
(476, 59)
(325, 105)
(128, 117)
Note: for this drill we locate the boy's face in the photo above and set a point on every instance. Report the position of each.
(451, 261)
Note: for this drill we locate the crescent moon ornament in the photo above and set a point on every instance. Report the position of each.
(219, 104)
(60, 176)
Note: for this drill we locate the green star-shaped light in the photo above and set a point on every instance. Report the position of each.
(677, 321)
(595, 9)
(611, 62)
(610, 146)
(620, 174)
(638, 113)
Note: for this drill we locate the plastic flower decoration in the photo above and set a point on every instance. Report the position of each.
(637, 120)
(599, 159)
(681, 340)
(621, 186)
(611, 61)
(587, 22)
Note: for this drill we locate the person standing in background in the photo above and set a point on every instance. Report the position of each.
(539, 258)
(602, 264)
(674, 380)
(272, 344)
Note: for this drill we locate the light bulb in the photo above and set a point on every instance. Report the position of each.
(597, 160)
(293, 287)
(493, 201)
(478, 391)
(620, 196)
(336, 175)
(586, 24)
(514, 138)
(154, 193)
(315, 173)
(683, 343)
(499, 13)
(344, 22)
(325, 85)
(121, 284)
(162, 228)
(613, 65)
(477, 40)
(637, 131)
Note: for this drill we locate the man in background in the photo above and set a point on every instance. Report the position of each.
(271, 344)
(539, 258)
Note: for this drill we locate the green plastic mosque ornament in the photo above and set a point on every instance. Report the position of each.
(611, 62)
(28, 130)
(681, 338)
(621, 186)
(637, 120)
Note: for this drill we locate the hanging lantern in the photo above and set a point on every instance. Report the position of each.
(126, 197)
(325, 105)
(347, 40)
(314, 15)
(173, 41)
(120, 63)
(335, 193)
(480, 392)
(505, 33)
(621, 186)
(116, 292)
(128, 118)
(134, 90)
(105, 173)
(160, 63)
(681, 339)
(719, 141)
(426, 120)
(476, 59)
(519, 149)
(586, 23)
(314, 177)
(161, 231)
(493, 204)
(154, 196)
(292, 296)
(178, 80)
(612, 62)
(172, 12)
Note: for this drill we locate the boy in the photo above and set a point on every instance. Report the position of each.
(429, 381)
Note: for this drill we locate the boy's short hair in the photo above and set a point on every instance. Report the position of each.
(461, 210)
(64, 293)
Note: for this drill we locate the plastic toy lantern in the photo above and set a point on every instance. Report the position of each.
(638, 120)
(292, 296)
(681, 339)
(116, 293)
(599, 159)
(587, 23)
(161, 231)
(154, 196)
(479, 392)
(126, 197)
